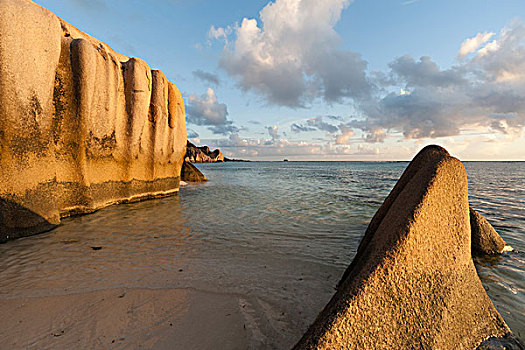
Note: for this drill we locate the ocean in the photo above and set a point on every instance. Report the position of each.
(275, 235)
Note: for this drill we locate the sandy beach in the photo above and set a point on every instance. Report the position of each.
(127, 319)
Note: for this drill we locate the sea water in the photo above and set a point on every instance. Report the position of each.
(276, 234)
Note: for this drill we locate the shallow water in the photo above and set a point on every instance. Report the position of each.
(278, 234)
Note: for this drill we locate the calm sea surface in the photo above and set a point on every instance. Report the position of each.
(277, 233)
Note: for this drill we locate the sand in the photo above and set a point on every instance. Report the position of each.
(127, 319)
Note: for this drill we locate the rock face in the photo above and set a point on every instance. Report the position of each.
(202, 154)
(485, 240)
(81, 126)
(190, 173)
(412, 283)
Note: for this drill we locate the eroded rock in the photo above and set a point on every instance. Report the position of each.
(485, 239)
(413, 283)
(81, 126)
(202, 154)
(190, 173)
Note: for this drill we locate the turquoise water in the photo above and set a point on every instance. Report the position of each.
(279, 234)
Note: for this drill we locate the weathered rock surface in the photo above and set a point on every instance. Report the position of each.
(81, 126)
(202, 154)
(190, 173)
(413, 283)
(485, 239)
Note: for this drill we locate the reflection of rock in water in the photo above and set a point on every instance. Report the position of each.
(412, 283)
(81, 126)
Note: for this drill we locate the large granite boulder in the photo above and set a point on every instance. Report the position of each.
(81, 126)
(202, 154)
(190, 173)
(485, 239)
(412, 283)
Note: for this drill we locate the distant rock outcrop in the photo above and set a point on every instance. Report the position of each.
(190, 173)
(412, 283)
(202, 154)
(81, 126)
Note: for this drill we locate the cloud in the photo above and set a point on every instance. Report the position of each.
(485, 92)
(335, 117)
(293, 55)
(206, 110)
(220, 33)
(472, 44)
(273, 132)
(206, 77)
(367, 150)
(297, 128)
(224, 129)
(192, 134)
(236, 146)
(423, 72)
(344, 137)
(409, 2)
(315, 123)
(318, 123)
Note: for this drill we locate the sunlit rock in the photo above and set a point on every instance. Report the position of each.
(485, 240)
(202, 154)
(413, 284)
(81, 126)
(190, 173)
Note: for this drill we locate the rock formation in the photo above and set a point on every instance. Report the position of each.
(485, 240)
(190, 173)
(81, 126)
(412, 283)
(202, 154)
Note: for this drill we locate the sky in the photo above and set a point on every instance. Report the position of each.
(331, 79)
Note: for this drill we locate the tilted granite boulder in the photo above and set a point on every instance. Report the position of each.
(485, 239)
(202, 154)
(412, 283)
(190, 173)
(81, 126)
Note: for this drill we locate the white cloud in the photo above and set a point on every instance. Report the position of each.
(409, 2)
(344, 137)
(192, 133)
(472, 44)
(219, 33)
(206, 110)
(293, 55)
(486, 92)
(239, 147)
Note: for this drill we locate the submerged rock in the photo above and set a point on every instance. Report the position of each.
(412, 283)
(190, 173)
(81, 126)
(485, 240)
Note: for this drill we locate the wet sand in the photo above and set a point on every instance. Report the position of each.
(128, 319)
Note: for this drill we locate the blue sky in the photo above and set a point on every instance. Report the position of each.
(333, 79)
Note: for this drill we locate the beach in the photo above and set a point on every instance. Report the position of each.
(246, 260)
